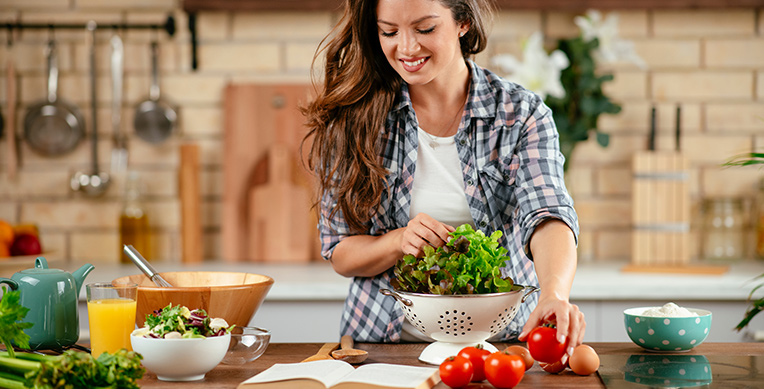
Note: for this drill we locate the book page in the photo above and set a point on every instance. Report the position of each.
(393, 376)
(327, 372)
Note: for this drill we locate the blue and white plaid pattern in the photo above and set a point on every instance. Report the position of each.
(513, 176)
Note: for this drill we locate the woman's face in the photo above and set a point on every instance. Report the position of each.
(420, 39)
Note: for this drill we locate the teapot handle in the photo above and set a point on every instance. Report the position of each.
(41, 263)
(13, 284)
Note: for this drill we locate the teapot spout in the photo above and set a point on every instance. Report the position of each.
(80, 274)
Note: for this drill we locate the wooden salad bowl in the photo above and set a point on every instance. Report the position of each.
(234, 296)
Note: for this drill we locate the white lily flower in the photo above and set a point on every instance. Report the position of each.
(539, 71)
(612, 48)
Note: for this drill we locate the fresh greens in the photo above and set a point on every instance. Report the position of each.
(11, 327)
(180, 322)
(73, 369)
(470, 263)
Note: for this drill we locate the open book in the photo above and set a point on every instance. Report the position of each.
(337, 374)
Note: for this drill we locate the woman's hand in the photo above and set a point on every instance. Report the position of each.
(568, 318)
(424, 230)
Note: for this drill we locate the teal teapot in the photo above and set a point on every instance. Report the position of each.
(51, 296)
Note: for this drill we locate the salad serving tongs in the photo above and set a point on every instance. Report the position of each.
(145, 266)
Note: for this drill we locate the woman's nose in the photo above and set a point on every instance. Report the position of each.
(409, 45)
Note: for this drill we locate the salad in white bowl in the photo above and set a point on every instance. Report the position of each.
(179, 344)
(179, 322)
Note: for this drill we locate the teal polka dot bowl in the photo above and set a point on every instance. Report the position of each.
(663, 334)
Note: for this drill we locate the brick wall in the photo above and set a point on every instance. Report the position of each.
(710, 61)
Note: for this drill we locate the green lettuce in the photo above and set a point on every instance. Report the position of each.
(470, 263)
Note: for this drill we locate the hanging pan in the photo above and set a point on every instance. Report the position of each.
(53, 127)
(154, 119)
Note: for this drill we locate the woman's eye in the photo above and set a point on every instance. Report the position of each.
(387, 34)
(427, 31)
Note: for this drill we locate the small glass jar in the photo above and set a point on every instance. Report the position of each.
(723, 229)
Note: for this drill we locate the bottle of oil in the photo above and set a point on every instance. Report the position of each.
(133, 220)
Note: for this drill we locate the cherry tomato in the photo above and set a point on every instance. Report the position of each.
(504, 370)
(553, 368)
(543, 345)
(476, 356)
(456, 371)
(523, 353)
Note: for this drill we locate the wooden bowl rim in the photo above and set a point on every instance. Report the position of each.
(267, 281)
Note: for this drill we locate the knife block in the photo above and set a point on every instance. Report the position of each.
(660, 209)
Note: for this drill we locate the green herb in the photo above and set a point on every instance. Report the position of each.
(470, 263)
(11, 328)
(72, 369)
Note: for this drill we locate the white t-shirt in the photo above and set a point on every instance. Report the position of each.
(438, 191)
(438, 184)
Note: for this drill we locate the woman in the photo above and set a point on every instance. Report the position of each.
(411, 138)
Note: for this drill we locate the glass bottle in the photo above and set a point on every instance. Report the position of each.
(723, 229)
(759, 219)
(133, 220)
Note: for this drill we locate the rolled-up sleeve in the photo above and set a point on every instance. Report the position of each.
(332, 228)
(540, 185)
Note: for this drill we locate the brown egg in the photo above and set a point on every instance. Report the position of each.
(553, 368)
(523, 353)
(584, 360)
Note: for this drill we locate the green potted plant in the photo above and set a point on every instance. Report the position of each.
(757, 305)
(567, 79)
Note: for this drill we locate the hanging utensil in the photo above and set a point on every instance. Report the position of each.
(53, 126)
(95, 183)
(145, 266)
(119, 150)
(154, 119)
(10, 90)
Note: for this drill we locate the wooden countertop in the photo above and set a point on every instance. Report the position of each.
(227, 376)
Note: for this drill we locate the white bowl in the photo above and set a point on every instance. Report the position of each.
(181, 359)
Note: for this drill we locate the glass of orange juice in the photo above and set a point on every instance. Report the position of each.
(111, 315)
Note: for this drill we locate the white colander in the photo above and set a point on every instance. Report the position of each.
(455, 321)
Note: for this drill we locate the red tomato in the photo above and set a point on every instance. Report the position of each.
(504, 370)
(456, 371)
(477, 356)
(543, 345)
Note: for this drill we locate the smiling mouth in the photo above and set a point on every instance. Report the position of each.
(414, 63)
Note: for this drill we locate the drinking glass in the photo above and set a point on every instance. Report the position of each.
(111, 314)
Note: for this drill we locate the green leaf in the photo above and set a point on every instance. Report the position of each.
(11, 327)
(603, 139)
(469, 263)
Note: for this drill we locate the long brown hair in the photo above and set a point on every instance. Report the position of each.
(358, 90)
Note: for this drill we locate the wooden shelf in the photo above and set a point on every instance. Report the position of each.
(560, 5)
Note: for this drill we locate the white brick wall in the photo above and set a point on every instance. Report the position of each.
(712, 62)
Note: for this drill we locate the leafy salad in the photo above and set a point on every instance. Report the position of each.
(470, 263)
(179, 322)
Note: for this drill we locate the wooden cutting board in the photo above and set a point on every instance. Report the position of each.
(263, 126)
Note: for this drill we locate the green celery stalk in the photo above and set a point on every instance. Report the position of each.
(18, 365)
(11, 381)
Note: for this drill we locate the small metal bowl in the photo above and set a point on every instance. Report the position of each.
(247, 344)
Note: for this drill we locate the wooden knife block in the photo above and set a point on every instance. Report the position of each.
(660, 209)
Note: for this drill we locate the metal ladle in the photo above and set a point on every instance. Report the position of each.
(145, 266)
(96, 183)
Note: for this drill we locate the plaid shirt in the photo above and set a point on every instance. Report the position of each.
(513, 180)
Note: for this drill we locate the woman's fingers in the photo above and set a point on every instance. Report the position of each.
(424, 230)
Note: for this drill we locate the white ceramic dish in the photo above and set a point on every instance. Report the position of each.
(181, 359)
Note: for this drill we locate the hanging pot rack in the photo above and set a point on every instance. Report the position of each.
(168, 26)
